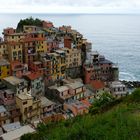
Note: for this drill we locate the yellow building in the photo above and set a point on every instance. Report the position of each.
(41, 44)
(3, 50)
(29, 28)
(15, 37)
(15, 51)
(4, 68)
(73, 57)
(58, 65)
(29, 107)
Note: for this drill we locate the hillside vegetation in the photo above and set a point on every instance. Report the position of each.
(29, 21)
(109, 119)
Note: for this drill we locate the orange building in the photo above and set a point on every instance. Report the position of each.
(8, 31)
(37, 66)
(33, 45)
(17, 68)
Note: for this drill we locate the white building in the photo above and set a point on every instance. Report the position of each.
(118, 89)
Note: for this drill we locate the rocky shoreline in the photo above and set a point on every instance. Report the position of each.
(131, 84)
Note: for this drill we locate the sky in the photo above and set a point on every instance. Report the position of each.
(69, 6)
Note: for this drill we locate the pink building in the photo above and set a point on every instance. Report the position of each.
(9, 31)
(47, 24)
(65, 28)
(99, 68)
(76, 107)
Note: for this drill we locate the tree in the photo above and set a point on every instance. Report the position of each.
(101, 102)
(29, 21)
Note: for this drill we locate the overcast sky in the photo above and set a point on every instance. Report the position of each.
(70, 6)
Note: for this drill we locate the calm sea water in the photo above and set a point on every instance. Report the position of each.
(115, 36)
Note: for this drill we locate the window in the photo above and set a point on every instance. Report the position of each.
(25, 110)
(19, 52)
(38, 85)
(30, 108)
(24, 103)
(15, 53)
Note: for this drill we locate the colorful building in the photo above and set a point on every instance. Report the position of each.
(76, 107)
(67, 42)
(18, 85)
(67, 92)
(4, 68)
(7, 32)
(29, 107)
(37, 66)
(73, 62)
(99, 68)
(35, 83)
(15, 51)
(47, 107)
(15, 37)
(33, 45)
(118, 89)
(30, 29)
(4, 118)
(52, 44)
(55, 65)
(17, 69)
(47, 24)
(7, 97)
(3, 50)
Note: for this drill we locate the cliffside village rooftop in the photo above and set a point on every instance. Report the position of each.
(49, 74)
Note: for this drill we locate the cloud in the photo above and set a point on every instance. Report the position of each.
(69, 5)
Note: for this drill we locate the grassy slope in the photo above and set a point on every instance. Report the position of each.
(122, 122)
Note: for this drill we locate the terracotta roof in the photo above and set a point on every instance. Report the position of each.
(97, 84)
(86, 102)
(16, 64)
(33, 76)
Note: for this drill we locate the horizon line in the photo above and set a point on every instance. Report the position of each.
(73, 13)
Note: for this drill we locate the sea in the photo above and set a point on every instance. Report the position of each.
(116, 36)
